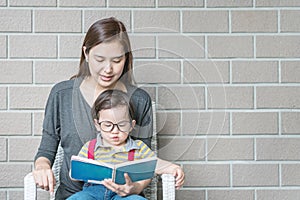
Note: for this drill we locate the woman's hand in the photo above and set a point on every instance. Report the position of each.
(128, 188)
(43, 175)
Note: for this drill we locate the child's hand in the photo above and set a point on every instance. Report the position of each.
(179, 176)
(166, 167)
(128, 188)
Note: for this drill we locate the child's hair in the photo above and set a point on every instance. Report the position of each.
(111, 99)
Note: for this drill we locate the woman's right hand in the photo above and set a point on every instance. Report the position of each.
(43, 175)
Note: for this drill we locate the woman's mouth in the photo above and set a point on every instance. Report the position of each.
(106, 78)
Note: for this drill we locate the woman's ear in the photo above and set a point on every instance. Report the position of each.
(85, 52)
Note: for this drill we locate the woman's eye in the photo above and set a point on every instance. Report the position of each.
(116, 61)
(99, 61)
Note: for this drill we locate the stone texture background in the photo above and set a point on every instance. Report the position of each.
(225, 75)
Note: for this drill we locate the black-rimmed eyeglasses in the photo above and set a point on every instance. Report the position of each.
(107, 126)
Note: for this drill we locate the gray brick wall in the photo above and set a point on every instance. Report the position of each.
(225, 76)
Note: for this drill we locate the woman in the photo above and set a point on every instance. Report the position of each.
(106, 63)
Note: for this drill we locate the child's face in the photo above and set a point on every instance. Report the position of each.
(110, 133)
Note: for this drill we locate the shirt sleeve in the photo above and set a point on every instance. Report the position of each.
(143, 115)
(144, 151)
(51, 129)
(84, 150)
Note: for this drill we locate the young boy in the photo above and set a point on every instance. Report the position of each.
(112, 114)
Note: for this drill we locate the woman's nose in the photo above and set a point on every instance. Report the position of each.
(108, 67)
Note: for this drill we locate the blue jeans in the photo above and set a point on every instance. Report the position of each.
(100, 192)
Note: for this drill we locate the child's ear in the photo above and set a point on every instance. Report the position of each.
(85, 52)
(133, 122)
(96, 124)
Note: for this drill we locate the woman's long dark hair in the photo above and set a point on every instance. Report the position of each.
(107, 30)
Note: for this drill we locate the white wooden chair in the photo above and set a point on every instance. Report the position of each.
(168, 181)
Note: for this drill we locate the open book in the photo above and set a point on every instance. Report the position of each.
(93, 171)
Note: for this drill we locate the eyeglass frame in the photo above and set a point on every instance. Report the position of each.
(113, 126)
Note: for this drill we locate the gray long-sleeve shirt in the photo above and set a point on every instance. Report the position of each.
(68, 120)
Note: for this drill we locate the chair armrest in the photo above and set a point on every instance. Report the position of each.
(168, 186)
(29, 187)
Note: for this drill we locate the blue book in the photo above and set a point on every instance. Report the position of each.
(93, 171)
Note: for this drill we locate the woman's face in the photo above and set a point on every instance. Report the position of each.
(106, 63)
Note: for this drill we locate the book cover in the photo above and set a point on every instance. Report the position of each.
(93, 171)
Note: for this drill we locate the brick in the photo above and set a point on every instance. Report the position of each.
(54, 71)
(230, 97)
(2, 3)
(41, 46)
(230, 149)
(3, 149)
(255, 175)
(3, 99)
(286, 194)
(206, 72)
(278, 149)
(254, 72)
(205, 123)
(15, 194)
(180, 46)
(3, 50)
(143, 46)
(205, 21)
(28, 97)
(208, 175)
(38, 123)
(32, 3)
(82, 3)
(254, 21)
(290, 123)
(255, 123)
(70, 46)
(290, 72)
(12, 175)
(276, 3)
(290, 174)
(190, 194)
(57, 21)
(230, 46)
(179, 3)
(289, 20)
(146, 71)
(15, 21)
(91, 16)
(168, 123)
(9, 121)
(182, 97)
(181, 149)
(16, 72)
(3, 195)
(229, 3)
(23, 149)
(277, 46)
(131, 4)
(230, 194)
(156, 21)
(278, 97)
